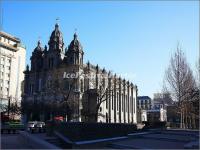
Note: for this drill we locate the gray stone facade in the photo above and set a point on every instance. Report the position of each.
(57, 73)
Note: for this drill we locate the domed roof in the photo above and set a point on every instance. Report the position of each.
(39, 47)
(75, 45)
(38, 51)
(56, 32)
(56, 39)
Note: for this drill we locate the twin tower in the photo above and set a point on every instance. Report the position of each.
(56, 54)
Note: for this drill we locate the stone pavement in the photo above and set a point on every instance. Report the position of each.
(142, 143)
(13, 141)
(160, 140)
(142, 140)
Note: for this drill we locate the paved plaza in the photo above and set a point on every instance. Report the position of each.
(13, 141)
(160, 140)
(167, 139)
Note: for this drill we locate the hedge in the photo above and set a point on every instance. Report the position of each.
(80, 131)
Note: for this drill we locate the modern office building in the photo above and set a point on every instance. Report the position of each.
(12, 65)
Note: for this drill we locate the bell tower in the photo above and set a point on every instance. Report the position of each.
(37, 58)
(56, 40)
(75, 52)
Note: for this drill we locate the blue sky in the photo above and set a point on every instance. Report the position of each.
(131, 37)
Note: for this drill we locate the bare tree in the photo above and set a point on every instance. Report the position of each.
(64, 89)
(92, 100)
(101, 93)
(13, 108)
(180, 81)
(104, 93)
(106, 86)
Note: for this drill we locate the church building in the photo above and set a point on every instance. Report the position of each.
(59, 83)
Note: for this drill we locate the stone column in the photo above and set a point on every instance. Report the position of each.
(120, 99)
(115, 100)
(124, 103)
(128, 86)
(132, 99)
(109, 99)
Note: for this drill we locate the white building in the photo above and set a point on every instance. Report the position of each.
(154, 115)
(141, 116)
(144, 102)
(12, 65)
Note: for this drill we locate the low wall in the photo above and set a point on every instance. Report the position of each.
(79, 131)
(154, 125)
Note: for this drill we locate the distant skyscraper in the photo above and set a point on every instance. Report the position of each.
(12, 65)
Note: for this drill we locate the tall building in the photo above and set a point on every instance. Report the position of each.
(50, 81)
(12, 65)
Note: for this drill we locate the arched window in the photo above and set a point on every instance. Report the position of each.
(117, 100)
(82, 89)
(104, 82)
(74, 62)
(122, 102)
(51, 62)
(71, 60)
